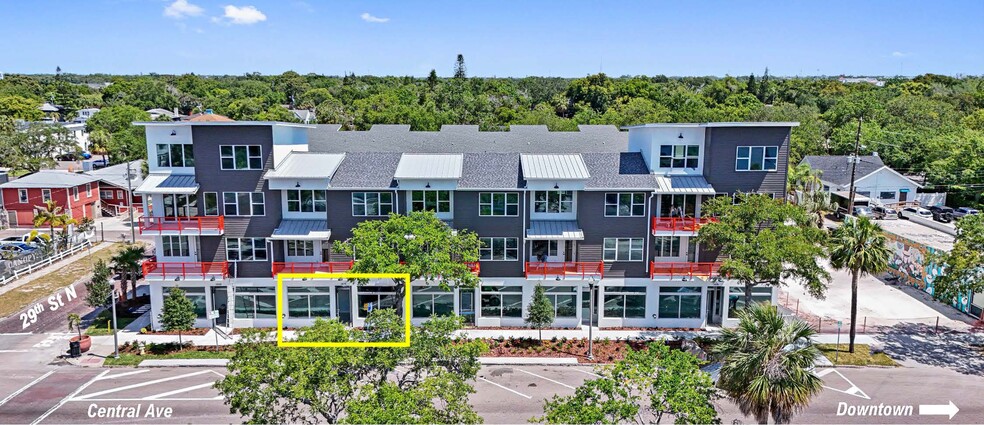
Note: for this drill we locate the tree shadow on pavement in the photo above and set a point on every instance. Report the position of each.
(957, 351)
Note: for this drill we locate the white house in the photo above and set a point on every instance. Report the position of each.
(873, 179)
(83, 115)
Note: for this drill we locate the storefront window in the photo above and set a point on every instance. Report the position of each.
(197, 296)
(502, 301)
(432, 301)
(563, 299)
(736, 298)
(256, 302)
(625, 302)
(679, 302)
(374, 298)
(308, 302)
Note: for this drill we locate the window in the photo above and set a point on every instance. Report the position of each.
(180, 205)
(679, 302)
(107, 194)
(308, 302)
(865, 194)
(241, 157)
(75, 193)
(625, 301)
(88, 190)
(371, 203)
(677, 205)
(499, 249)
(255, 302)
(736, 298)
(211, 203)
(623, 249)
(757, 158)
(886, 195)
(498, 204)
(175, 246)
(625, 204)
(543, 249)
(502, 301)
(375, 298)
(22, 195)
(679, 156)
(175, 155)
(667, 246)
(119, 194)
(432, 301)
(243, 203)
(306, 201)
(197, 296)
(246, 249)
(553, 201)
(45, 195)
(300, 248)
(563, 299)
(438, 201)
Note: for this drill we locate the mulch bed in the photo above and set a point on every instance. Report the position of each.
(169, 348)
(605, 351)
(192, 332)
(239, 331)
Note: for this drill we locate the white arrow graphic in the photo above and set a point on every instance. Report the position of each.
(949, 409)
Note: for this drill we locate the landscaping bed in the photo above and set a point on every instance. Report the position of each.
(130, 353)
(190, 332)
(605, 350)
(102, 324)
(862, 355)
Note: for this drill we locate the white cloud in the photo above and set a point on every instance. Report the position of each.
(246, 15)
(374, 19)
(182, 9)
(898, 54)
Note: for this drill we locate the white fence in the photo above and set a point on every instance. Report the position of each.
(16, 271)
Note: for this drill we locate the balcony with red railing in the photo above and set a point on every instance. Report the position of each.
(153, 270)
(565, 270)
(323, 267)
(679, 224)
(182, 225)
(679, 270)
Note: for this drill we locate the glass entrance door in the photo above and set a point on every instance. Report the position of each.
(466, 305)
(586, 307)
(715, 298)
(343, 304)
(220, 302)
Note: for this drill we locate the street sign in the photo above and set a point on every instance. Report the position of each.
(212, 314)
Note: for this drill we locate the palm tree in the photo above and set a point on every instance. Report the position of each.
(767, 364)
(817, 205)
(804, 179)
(860, 246)
(127, 263)
(53, 215)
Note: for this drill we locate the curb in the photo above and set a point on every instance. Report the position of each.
(526, 361)
(184, 363)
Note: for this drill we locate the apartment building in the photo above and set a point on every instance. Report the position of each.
(604, 218)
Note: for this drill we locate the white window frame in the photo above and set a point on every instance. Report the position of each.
(619, 291)
(75, 193)
(258, 245)
(659, 247)
(23, 196)
(487, 250)
(379, 203)
(632, 204)
(249, 158)
(677, 156)
(635, 252)
(552, 295)
(694, 291)
(881, 195)
(497, 198)
(428, 294)
(512, 292)
(438, 202)
(299, 202)
(751, 154)
(561, 202)
(306, 292)
(88, 190)
(185, 158)
(170, 243)
(299, 248)
(104, 192)
(252, 204)
(45, 195)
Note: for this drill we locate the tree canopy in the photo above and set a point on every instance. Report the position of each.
(964, 264)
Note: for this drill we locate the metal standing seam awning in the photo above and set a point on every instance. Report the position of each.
(301, 230)
(689, 185)
(168, 184)
(544, 230)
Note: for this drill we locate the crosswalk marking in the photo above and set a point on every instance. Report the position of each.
(142, 384)
(179, 391)
(126, 374)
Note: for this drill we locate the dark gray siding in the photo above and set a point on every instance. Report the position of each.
(340, 218)
(466, 217)
(591, 218)
(211, 178)
(720, 150)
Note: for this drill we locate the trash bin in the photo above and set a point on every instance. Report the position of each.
(74, 348)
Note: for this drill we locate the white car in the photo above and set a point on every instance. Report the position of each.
(910, 212)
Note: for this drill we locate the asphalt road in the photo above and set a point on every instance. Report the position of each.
(505, 394)
(48, 314)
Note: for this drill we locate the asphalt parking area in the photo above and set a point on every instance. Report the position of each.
(514, 394)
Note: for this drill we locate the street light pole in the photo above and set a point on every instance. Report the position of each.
(129, 202)
(116, 342)
(854, 166)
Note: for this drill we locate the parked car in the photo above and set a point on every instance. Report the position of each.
(884, 213)
(941, 213)
(99, 163)
(910, 212)
(66, 157)
(17, 248)
(964, 211)
(863, 212)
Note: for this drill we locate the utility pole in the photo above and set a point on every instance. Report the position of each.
(854, 165)
(129, 202)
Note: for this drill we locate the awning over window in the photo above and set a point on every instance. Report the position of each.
(543, 230)
(683, 185)
(302, 230)
(168, 184)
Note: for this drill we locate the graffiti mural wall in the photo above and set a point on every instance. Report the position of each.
(908, 263)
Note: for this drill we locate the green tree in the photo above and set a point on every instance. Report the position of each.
(98, 288)
(766, 243)
(34, 148)
(802, 179)
(122, 140)
(460, 71)
(21, 108)
(418, 244)
(126, 262)
(645, 387)
(964, 264)
(858, 245)
(177, 313)
(766, 364)
(429, 382)
(540, 312)
(432, 79)
(52, 215)
(75, 323)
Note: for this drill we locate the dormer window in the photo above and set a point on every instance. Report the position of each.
(679, 156)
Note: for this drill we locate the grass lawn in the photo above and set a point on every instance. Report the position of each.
(102, 324)
(861, 357)
(44, 285)
(127, 359)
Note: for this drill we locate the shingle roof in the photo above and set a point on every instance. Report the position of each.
(50, 179)
(116, 174)
(554, 167)
(837, 168)
(490, 171)
(624, 170)
(429, 166)
(366, 170)
(307, 165)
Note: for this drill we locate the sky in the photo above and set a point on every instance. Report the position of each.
(504, 38)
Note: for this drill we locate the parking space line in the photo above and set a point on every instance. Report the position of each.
(126, 374)
(589, 373)
(24, 388)
(548, 379)
(179, 391)
(68, 397)
(142, 384)
(507, 389)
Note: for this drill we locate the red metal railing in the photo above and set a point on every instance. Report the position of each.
(677, 270)
(681, 224)
(179, 224)
(155, 270)
(325, 267)
(565, 269)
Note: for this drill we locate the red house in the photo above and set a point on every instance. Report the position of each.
(116, 184)
(77, 193)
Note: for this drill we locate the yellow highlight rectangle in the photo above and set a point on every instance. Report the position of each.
(280, 317)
